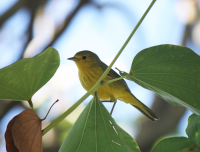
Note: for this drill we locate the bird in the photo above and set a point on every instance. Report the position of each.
(91, 68)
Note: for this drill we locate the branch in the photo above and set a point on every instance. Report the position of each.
(12, 11)
(67, 21)
(32, 6)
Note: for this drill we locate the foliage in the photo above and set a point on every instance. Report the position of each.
(172, 144)
(96, 130)
(182, 144)
(22, 79)
(193, 130)
(95, 127)
(24, 133)
(172, 72)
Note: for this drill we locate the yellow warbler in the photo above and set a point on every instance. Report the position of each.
(91, 68)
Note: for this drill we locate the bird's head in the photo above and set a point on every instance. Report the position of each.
(85, 59)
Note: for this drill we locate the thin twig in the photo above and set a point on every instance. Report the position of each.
(49, 110)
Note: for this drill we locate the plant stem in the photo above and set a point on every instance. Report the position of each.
(31, 104)
(49, 110)
(109, 81)
(98, 83)
(129, 38)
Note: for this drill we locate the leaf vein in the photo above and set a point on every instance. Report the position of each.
(12, 91)
(27, 132)
(33, 75)
(155, 88)
(164, 63)
(40, 76)
(35, 137)
(170, 74)
(105, 126)
(21, 78)
(85, 126)
(170, 84)
(150, 58)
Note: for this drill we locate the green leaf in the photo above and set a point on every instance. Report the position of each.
(22, 79)
(172, 72)
(193, 129)
(96, 131)
(172, 144)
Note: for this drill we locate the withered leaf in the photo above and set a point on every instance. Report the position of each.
(10, 146)
(27, 133)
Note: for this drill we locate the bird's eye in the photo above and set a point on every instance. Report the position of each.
(84, 57)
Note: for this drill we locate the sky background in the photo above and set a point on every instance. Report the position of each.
(102, 31)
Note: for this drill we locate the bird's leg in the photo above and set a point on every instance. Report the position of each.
(106, 101)
(113, 107)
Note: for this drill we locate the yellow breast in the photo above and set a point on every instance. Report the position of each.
(88, 78)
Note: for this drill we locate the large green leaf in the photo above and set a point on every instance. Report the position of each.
(172, 144)
(193, 129)
(96, 131)
(172, 72)
(22, 79)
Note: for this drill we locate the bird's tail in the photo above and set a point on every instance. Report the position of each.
(147, 112)
(144, 109)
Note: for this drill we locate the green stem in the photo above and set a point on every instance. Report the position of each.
(31, 104)
(109, 81)
(98, 83)
(129, 38)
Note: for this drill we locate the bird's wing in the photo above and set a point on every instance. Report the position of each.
(113, 74)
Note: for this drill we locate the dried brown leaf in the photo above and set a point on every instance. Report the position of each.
(27, 133)
(10, 146)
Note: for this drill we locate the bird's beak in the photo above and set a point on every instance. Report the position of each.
(74, 59)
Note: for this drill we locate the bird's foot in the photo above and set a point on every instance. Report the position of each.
(106, 101)
(113, 107)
